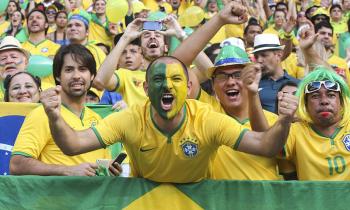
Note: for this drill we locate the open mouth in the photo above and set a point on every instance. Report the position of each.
(77, 85)
(232, 93)
(167, 101)
(129, 62)
(152, 44)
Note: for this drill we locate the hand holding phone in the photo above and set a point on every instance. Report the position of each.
(120, 158)
(152, 25)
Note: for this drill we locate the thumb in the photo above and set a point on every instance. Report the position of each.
(58, 89)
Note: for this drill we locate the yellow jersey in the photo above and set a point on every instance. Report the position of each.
(340, 66)
(290, 65)
(98, 33)
(45, 48)
(34, 138)
(4, 25)
(130, 86)
(180, 156)
(318, 157)
(98, 54)
(229, 164)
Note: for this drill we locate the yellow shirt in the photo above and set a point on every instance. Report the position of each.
(229, 164)
(219, 36)
(98, 54)
(234, 30)
(182, 156)
(34, 139)
(290, 65)
(317, 157)
(3, 26)
(45, 48)
(339, 28)
(98, 34)
(130, 86)
(340, 66)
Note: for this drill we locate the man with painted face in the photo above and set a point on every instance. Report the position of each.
(168, 133)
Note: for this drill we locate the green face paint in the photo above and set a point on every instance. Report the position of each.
(167, 89)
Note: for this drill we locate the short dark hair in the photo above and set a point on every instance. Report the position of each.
(79, 54)
(133, 42)
(59, 12)
(251, 22)
(335, 6)
(323, 24)
(9, 78)
(162, 57)
(281, 3)
(279, 10)
(43, 13)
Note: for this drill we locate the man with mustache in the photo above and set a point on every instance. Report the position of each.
(35, 152)
(13, 59)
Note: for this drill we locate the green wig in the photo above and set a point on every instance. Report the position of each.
(322, 73)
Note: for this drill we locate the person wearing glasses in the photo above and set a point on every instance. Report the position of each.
(319, 144)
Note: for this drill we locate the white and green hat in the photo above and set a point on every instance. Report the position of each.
(232, 53)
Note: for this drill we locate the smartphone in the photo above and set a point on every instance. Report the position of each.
(120, 158)
(152, 26)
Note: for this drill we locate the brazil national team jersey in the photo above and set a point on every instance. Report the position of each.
(45, 48)
(130, 86)
(35, 140)
(181, 156)
(229, 164)
(317, 157)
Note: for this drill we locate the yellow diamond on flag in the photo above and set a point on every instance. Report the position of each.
(164, 197)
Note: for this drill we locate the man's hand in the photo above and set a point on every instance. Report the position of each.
(115, 169)
(251, 75)
(234, 13)
(289, 25)
(287, 105)
(134, 29)
(307, 38)
(173, 27)
(120, 105)
(113, 28)
(84, 169)
(51, 100)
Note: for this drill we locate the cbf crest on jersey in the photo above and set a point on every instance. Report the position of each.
(189, 147)
(346, 141)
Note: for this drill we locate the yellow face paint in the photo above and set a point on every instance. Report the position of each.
(167, 88)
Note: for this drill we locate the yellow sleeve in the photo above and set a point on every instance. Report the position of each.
(288, 151)
(224, 130)
(121, 77)
(33, 135)
(113, 128)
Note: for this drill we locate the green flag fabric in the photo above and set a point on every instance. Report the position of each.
(38, 192)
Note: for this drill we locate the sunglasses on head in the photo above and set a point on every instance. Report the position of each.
(316, 85)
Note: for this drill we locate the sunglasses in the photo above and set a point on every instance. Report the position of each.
(316, 85)
(225, 77)
(50, 12)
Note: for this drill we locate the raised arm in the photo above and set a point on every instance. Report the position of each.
(270, 142)
(251, 76)
(233, 13)
(71, 142)
(105, 77)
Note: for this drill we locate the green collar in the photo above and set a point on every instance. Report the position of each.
(82, 114)
(37, 43)
(165, 133)
(98, 22)
(337, 130)
(239, 121)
